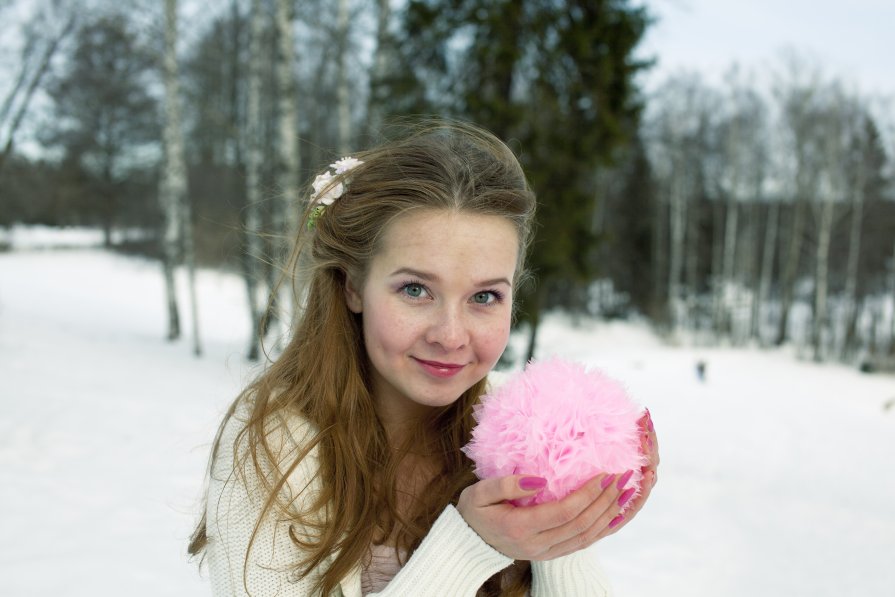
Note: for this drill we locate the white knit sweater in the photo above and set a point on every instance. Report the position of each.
(451, 561)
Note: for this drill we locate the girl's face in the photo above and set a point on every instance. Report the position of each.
(436, 307)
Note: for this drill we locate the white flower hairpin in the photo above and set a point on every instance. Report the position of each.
(325, 192)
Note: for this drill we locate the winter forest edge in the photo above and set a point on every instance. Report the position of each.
(758, 211)
(726, 247)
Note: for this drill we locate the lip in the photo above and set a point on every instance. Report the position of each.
(438, 369)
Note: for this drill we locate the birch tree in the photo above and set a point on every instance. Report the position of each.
(768, 257)
(797, 97)
(32, 75)
(287, 210)
(865, 164)
(381, 66)
(831, 188)
(27, 57)
(253, 255)
(173, 192)
(103, 114)
(679, 132)
(891, 354)
(733, 151)
(742, 179)
(342, 83)
(858, 171)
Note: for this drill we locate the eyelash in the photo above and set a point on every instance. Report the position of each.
(405, 285)
(498, 295)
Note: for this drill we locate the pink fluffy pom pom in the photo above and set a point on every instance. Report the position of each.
(560, 421)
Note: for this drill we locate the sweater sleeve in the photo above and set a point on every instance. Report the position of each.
(451, 560)
(241, 559)
(578, 574)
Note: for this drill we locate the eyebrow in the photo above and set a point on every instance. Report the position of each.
(433, 278)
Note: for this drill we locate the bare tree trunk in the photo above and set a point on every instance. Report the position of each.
(189, 256)
(892, 320)
(733, 151)
(717, 264)
(871, 345)
(854, 255)
(235, 79)
(175, 172)
(253, 256)
(800, 119)
(375, 110)
(536, 305)
(169, 252)
(24, 72)
(32, 87)
(173, 184)
(731, 227)
(342, 85)
(660, 258)
(791, 268)
(691, 247)
(751, 242)
(834, 153)
(767, 265)
(288, 209)
(677, 223)
(821, 276)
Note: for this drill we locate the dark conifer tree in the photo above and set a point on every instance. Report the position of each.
(555, 79)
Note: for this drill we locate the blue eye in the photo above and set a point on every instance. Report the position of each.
(487, 297)
(413, 290)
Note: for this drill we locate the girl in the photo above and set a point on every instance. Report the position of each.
(339, 470)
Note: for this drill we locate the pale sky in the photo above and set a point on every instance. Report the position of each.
(853, 40)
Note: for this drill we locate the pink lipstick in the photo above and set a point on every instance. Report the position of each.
(439, 369)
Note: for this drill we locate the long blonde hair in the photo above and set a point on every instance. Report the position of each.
(322, 374)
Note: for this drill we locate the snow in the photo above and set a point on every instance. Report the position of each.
(776, 475)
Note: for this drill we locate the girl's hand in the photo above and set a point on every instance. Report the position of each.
(650, 446)
(544, 531)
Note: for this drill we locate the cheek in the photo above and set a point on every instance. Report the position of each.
(385, 330)
(492, 340)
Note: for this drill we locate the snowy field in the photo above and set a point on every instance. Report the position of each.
(777, 476)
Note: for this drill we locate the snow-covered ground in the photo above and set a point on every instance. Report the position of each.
(776, 476)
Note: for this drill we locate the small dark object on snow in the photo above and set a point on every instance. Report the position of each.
(867, 367)
(700, 370)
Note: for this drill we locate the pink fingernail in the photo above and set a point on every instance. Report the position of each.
(607, 481)
(623, 499)
(623, 480)
(615, 521)
(529, 483)
(649, 420)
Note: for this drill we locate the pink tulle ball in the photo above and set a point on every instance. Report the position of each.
(560, 421)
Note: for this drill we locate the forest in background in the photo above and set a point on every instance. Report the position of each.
(757, 210)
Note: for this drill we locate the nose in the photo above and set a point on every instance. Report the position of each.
(449, 330)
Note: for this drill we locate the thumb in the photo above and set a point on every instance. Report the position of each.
(500, 489)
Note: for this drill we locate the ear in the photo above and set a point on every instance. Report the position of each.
(353, 297)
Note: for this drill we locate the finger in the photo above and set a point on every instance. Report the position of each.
(590, 536)
(653, 439)
(609, 517)
(560, 513)
(645, 419)
(498, 490)
(582, 509)
(617, 523)
(649, 443)
(650, 451)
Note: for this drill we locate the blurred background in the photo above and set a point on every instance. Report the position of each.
(716, 185)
